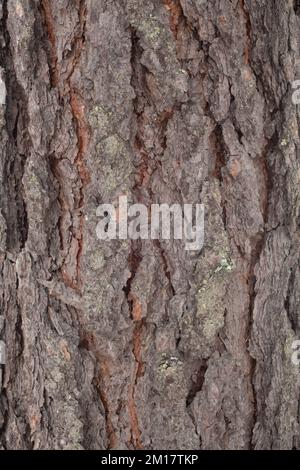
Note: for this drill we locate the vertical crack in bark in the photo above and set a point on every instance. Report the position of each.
(258, 242)
(110, 432)
(55, 80)
(180, 23)
(175, 14)
(291, 313)
(246, 15)
(297, 7)
(166, 269)
(257, 247)
(164, 119)
(83, 136)
(145, 168)
(134, 260)
(65, 87)
(180, 27)
(14, 170)
(197, 381)
(49, 23)
(88, 342)
(15, 212)
(255, 256)
(135, 309)
(82, 130)
(136, 437)
(220, 151)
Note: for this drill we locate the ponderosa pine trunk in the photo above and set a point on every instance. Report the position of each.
(143, 344)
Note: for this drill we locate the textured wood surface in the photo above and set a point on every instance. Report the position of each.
(143, 344)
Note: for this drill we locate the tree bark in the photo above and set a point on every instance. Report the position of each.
(142, 344)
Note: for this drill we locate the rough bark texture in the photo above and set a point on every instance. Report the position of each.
(142, 344)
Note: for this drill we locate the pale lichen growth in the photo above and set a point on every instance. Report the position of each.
(284, 142)
(113, 145)
(97, 260)
(210, 308)
(169, 363)
(151, 27)
(100, 120)
(210, 298)
(225, 265)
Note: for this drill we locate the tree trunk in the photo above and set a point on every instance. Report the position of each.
(142, 344)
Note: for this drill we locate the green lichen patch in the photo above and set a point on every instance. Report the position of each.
(169, 363)
(113, 146)
(100, 120)
(97, 260)
(210, 307)
(226, 265)
(150, 28)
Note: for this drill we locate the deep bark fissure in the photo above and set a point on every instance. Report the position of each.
(287, 305)
(17, 231)
(297, 7)
(247, 50)
(65, 89)
(175, 14)
(82, 130)
(135, 257)
(144, 170)
(88, 342)
(49, 23)
(197, 383)
(221, 156)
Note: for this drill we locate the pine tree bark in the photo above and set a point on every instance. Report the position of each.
(143, 344)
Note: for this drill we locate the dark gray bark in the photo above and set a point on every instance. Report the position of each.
(129, 345)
